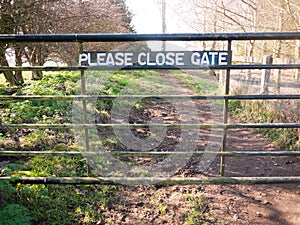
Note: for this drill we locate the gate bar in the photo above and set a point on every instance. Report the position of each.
(131, 37)
(111, 97)
(225, 109)
(165, 181)
(136, 67)
(174, 126)
(153, 154)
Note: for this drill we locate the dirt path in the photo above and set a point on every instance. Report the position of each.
(217, 204)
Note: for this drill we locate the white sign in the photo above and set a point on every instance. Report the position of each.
(167, 59)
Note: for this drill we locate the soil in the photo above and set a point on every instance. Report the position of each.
(213, 204)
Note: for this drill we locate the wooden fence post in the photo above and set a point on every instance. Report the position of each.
(265, 78)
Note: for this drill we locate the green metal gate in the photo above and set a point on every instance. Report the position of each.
(226, 98)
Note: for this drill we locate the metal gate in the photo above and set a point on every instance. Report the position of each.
(223, 153)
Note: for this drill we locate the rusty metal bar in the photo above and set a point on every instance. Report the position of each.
(153, 154)
(171, 126)
(111, 97)
(165, 181)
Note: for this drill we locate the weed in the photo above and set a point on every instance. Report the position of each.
(199, 212)
(163, 208)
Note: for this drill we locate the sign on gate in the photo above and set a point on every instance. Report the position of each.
(158, 59)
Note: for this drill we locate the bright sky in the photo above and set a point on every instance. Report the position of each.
(147, 17)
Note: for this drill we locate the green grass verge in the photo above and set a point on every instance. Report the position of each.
(269, 112)
(47, 204)
(201, 86)
(52, 204)
(55, 204)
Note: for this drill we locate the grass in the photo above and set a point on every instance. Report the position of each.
(52, 204)
(15, 214)
(47, 204)
(198, 85)
(55, 204)
(269, 112)
(255, 112)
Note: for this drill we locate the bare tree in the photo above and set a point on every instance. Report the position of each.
(55, 16)
(246, 16)
(6, 26)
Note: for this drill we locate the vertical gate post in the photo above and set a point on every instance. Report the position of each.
(225, 110)
(84, 110)
(265, 78)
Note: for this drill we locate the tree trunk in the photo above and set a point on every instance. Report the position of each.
(9, 75)
(37, 61)
(37, 75)
(18, 57)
